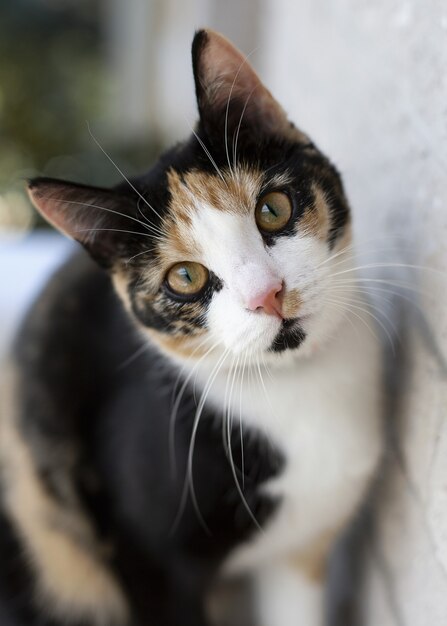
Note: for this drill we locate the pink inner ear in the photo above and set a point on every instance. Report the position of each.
(50, 205)
(225, 64)
(70, 209)
(226, 70)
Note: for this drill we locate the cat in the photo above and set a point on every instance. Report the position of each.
(189, 400)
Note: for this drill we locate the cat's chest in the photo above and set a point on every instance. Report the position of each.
(324, 422)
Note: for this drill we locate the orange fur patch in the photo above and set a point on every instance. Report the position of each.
(291, 303)
(73, 578)
(316, 219)
(313, 560)
(185, 346)
(235, 192)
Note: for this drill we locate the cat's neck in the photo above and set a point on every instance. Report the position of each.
(261, 392)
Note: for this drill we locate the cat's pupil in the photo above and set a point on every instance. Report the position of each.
(186, 275)
(267, 208)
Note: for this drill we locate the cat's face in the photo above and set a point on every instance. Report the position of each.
(230, 240)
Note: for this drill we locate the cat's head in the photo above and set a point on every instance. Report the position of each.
(231, 238)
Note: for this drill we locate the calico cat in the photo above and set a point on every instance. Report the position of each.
(190, 400)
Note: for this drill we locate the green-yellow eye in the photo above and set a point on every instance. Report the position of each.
(187, 278)
(273, 211)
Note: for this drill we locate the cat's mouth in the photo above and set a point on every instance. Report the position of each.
(290, 336)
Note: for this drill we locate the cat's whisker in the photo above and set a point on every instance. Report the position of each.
(349, 255)
(347, 303)
(228, 417)
(204, 341)
(266, 367)
(116, 230)
(390, 265)
(241, 433)
(141, 350)
(208, 153)
(235, 141)
(102, 208)
(147, 251)
(226, 118)
(359, 317)
(187, 481)
(373, 290)
(345, 315)
(198, 415)
(156, 229)
(341, 292)
(360, 247)
(238, 486)
(268, 401)
(122, 173)
(178, 399)
(366, 282)
(264, 388)
(245, 60)
(370, 305)
(227, 400)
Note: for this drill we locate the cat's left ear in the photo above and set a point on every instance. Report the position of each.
(96, 218)
(230, 93)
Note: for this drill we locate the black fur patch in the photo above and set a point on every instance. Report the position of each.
(84, 394)
(290, 336)
(169, 314)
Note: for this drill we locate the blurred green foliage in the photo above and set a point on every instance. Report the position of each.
(53, 79)
(50, 81)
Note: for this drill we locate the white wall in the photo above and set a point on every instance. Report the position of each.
(368, 80)
(148, 47)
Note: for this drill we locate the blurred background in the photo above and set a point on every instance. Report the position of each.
(367, 80)
(120, 67)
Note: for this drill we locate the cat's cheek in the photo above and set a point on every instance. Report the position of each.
(299, 257)
(237, 328)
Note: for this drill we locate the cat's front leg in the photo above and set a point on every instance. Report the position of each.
(291, 591)
(287, 595)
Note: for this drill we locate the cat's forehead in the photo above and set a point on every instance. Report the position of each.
(232, 190)
(202, 202)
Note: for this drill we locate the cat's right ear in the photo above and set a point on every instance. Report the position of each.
(230, 95)
(92, 216)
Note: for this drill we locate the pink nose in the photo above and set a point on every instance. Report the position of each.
(267, 300)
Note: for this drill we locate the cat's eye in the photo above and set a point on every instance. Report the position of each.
(273, 211)
(187, 278)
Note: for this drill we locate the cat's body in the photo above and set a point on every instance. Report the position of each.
(246, 439)
(103, 456)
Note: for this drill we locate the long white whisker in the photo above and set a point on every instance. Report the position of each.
(349, 307)
(189, 482)
(146, 219)
(228, 108)
(236, 481)
(135, 355)
(207, 152)
(178, 399)
(122, 173)
(235, 141)
(241, 433)
(102, 208)
(227, 400)
(115, 230)
(390, 265)
(370, 283)
(360, 247)
(147, 251)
